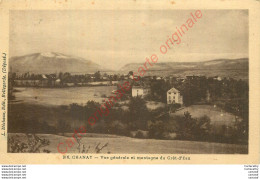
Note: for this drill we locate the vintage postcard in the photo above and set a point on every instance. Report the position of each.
(130, 82)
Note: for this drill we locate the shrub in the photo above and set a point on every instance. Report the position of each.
(118, 127)
(170, 135)
(103, 96)
(33, 144)
(174, 107)
(156, 129)
(193, 129)
(141, 134)
(117, 105)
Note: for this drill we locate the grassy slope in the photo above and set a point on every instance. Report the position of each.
(237, 68)
(217, 116)
(123, 145)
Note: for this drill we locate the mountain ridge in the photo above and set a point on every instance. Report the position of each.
(52, 62)
(235, 68)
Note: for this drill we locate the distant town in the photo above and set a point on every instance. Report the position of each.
(168, 89)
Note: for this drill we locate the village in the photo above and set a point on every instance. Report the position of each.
(143, 87)
(200, 108)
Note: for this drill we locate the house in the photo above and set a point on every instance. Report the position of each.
(140, 91)
(193, 77)
(70, 84)
(39, 80)
(57, 82)
(174, 96)
(159, 78)
(113, 82)
(99, 83)
(43, 81)
(105, 78)
(217, 78)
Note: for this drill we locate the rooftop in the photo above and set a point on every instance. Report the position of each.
(140, 87)
(173, 90)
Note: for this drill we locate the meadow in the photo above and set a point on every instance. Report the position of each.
(127, 145)
(63, 96)
(48, 113)
(217, 116)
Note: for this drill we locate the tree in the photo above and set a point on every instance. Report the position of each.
(131, 73)
(159, 90)
(97, 76)
(115, 77)
(138, 113)
(63, 126)
(203, 127)
(194, 90)
(193, 129)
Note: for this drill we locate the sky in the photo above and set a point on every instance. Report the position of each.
(115, 38)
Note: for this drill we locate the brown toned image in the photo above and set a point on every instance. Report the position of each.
(99, 83)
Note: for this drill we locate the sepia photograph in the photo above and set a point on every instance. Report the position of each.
(128, 81)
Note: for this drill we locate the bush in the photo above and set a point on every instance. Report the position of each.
(174, 107)
(193, 129)
(103, 96)
(118, 127)
(30, 126)
(170, 135)
(31, 144)
(157, 129)
(117, 105)
(138, 114)
(141, 134)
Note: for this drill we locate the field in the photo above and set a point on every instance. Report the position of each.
(127, 145)
(216, 115)
(37, 106)
(151, 105)
(62, 96)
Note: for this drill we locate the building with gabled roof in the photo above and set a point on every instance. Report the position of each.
(174, 96)
(140, 91)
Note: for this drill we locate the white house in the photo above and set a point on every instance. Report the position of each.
(217, 78)
(140, 91)
(174, 96)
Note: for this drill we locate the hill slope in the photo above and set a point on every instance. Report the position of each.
(123, 145)
(236, 68)
(52, 62)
